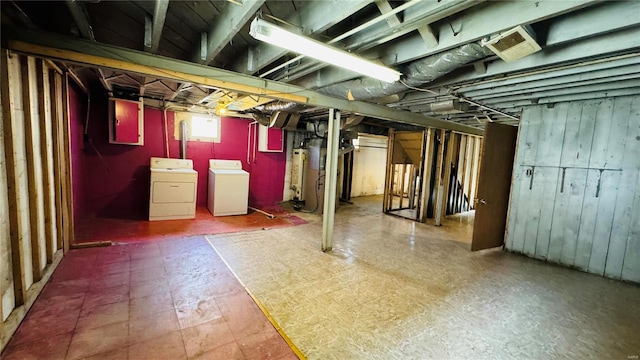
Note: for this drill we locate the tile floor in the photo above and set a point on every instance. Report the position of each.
(163, 299)
(396, 289)
(99, 229)
(391, 289)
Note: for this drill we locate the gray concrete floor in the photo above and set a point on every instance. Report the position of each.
(396, 289)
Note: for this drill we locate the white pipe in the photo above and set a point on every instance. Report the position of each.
(249, 142)
(255, 141)
(183, 138)
(166, 133)
(270, 216)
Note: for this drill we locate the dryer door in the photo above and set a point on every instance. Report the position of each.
(173, 192)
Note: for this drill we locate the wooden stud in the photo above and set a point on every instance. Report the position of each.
(8, 81)
(440, 179)
(44, 104)
(426, 173)
(470, 169)
(388, 180)
(66, 132)
(462, 171)
(477, 164)
(412, 186)
(455, 193)
(455, 155)
(447, 174)
(401, 184)
(392, 190)
(58, 154)
(33, 166)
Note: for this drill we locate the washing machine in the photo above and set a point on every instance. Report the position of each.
(228, 188)
(174, 186)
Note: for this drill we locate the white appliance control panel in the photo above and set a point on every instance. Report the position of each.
(164, 163)
(225, 164)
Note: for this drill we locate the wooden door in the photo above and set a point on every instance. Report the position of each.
(494, 184)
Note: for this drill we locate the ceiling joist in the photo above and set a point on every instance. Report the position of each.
(81, 17)
(223, 30)
(154, 26)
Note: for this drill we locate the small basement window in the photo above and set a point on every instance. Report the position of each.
(200, 127)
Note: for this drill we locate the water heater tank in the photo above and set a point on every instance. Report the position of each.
(298, 166)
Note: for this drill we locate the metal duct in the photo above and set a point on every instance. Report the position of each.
(261, 119)
(285, 120)
(415, 73)
(276, 106)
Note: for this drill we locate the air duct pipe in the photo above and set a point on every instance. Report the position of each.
(277, 106)
(415, 73)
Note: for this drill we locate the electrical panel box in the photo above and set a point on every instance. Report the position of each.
(270, 139)
(126, 122)
(298, 165)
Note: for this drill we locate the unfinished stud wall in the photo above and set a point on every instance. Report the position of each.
(458, 193)
(575, 197)
(34, 183)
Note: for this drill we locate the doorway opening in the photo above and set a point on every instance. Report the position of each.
(405, 162)
(432, 174)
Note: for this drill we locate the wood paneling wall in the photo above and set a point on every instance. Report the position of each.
(34, 183)
(575, 197)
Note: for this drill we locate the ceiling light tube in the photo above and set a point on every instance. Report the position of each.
(274, 35)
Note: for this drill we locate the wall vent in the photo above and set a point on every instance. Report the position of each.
(514, 44)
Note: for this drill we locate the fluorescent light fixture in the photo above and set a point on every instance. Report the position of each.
(274, 35)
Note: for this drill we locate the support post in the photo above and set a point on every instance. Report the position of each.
(402, 180)
(428, 146)
(441, 179)
(388, 179)
(330, 180)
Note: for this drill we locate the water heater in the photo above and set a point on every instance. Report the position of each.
(298, 165)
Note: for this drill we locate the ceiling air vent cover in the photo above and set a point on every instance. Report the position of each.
(514, 44)
(448, 107)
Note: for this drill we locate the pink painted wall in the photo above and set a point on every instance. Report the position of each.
(113, 180)
(77, 112)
